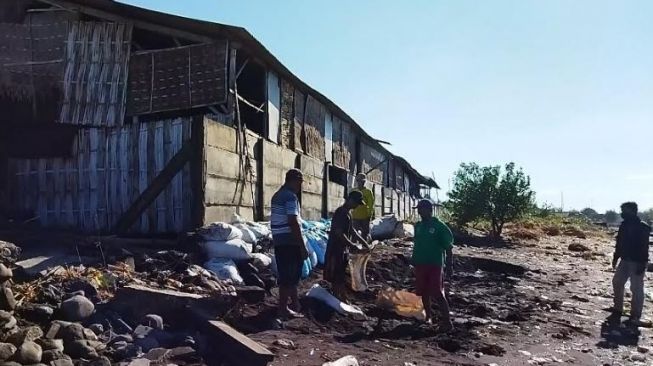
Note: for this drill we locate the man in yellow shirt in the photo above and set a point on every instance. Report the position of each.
(362, 214)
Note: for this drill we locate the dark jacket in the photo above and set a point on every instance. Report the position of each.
(632, 240)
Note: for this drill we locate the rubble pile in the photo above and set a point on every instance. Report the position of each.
(66, 317)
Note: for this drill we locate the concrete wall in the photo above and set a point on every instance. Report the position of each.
(312, 203)
(277, 160)
(227, 190)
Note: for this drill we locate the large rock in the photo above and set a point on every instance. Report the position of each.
(102, 361)
(7, 299)
(8, 325)
(29, 353)
(28, 334)
(51, 344)
(71, 333)
(77, 308)
(62, 362)
(51, 355)
(81, 349)
(36, 313)
(5, 316)
(5, 274)
(7, 351)
(9, 252)
(157, 354)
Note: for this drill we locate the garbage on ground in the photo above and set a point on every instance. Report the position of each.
(383, 227)
(403, 303)
(345, 361)
(225, 269)
(319, 293)
(404, 230)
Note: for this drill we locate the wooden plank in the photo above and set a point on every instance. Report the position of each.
(151, 173)
(155, 188)
(142, 172)
(186, 183)
(168, 194)
(93, 179)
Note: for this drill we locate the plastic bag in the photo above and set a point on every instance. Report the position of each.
(248, 235)
(345, 361)
(403, 303)
(220, 231)
(225, 269)
(235, 249)
(261, 231)
(384, 227)
(319, 293)
(318, 245)
(307, 267)
(261, 260)
(357, 269)
(404, 230)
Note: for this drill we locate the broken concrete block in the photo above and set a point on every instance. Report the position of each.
(77, 308)
(47, 264)
(51, 344)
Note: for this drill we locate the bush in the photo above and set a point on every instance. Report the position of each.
(490, 193)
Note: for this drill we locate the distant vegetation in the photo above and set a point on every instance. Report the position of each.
(492, 194)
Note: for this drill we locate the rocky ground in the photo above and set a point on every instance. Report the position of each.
(535, 301)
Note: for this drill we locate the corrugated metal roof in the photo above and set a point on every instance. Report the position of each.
(218, 30)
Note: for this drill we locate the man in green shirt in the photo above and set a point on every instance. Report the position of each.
(433, 244)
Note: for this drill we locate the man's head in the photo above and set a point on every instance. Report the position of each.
(294, 180)
(425, 208)
(354, 199)
(629, 210)
(361, 179)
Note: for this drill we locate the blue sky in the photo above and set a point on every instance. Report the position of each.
(563, 88)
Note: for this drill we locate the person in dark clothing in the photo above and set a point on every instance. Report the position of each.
(632, 250)
(342, 237)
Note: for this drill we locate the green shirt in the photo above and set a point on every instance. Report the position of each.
(432, 239)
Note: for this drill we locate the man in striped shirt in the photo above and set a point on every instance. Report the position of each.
(289, 247)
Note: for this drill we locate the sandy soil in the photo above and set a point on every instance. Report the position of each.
(518, 303)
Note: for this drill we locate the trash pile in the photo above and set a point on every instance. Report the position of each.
(240, 252)
(390, 227)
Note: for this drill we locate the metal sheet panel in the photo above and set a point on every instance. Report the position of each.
(274, 106)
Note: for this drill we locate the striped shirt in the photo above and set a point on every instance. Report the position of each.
(284, 203)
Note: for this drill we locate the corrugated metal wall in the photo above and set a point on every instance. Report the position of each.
(108, 169)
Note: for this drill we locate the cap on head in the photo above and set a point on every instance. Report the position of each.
(356, 197)
(424, 203)
(361, 176)
(294, 175)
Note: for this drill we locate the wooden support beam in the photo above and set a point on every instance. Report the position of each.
(155, 188)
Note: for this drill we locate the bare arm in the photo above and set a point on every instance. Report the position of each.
(295, 229)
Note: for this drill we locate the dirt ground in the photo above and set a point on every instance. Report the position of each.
(516, 303)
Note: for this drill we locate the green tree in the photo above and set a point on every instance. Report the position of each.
(647, 215)
(491, 193)
(611, 216)
(590, 213)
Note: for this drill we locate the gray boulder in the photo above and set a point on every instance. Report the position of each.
(8, 325)
(51, 355)
(28, 334)
(77, 308)
(62, 362)
(7, 351)
(7, 299)
(5, 274)
(29, 353)
(51, 344)
(81, 349)
(71, 333)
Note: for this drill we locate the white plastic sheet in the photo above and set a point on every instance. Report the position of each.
(235, 249)
(319, 293)
(225, 269)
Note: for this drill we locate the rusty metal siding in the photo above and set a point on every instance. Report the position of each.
(374, 159)
(178, 78)
(95, 77)
(108, 170)
(314, 127)
(287, 113)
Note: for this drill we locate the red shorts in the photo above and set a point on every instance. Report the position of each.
(429, 280)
